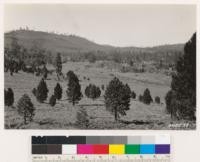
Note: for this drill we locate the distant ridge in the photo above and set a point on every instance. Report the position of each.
(75, 44)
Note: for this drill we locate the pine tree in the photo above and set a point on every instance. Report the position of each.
(26, 108)
(74, 88)
(58, 65)
(52, 100)
(157, 100)
(133, 95)
(45, 72)
(168, 99)
(58, 91)
(87, 91)
(147, 99)
(42, 91)
(92, 91)
(117, 97)
(183, 83)
(9, 97)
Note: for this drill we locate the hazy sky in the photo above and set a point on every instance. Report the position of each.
(119, 25)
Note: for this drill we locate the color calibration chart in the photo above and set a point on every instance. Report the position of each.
(101, 148)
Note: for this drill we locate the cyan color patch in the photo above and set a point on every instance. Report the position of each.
(147, 149)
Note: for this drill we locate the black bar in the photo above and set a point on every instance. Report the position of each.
(65, 140)
(38, 140)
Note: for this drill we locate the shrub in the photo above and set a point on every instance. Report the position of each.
(74, 88)
(9, 97)
(25, 108)
(147, 99)
(52, 100)
(58, 91)
(133, 95)
(157, 99)
(42, 91)
(117, 97)
(92, 91)
(82, 118)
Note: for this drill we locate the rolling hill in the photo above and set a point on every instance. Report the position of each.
(74, 44)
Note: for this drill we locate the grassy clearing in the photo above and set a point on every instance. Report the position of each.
(63, 114)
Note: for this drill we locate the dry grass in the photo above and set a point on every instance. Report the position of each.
(63, 114)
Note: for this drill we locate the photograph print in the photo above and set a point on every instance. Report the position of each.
(122, 67)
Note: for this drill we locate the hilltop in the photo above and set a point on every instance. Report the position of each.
(75, 44)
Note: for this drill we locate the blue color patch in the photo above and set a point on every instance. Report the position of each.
(147, 149)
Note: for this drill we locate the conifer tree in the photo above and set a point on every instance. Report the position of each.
(58, 91)
(133, 95)
(117, 98)
(45, 72)
(157, 99)
(92, 91)
(26, 108)
(74, 88)
(9, 97)
(52, 100)
(58, 65)
(147, 99)
(183, 85)
(42, 91)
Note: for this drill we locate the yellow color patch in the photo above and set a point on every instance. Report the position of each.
(116, 149)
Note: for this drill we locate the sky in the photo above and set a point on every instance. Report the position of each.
(118, 25)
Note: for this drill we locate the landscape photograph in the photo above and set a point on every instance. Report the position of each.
(95, 66)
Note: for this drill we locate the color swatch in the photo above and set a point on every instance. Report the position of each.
(113, 145)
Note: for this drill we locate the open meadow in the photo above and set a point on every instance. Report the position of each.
(63, 114)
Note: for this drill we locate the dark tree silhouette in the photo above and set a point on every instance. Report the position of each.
(58, 65)
(168, 99)
(133, 95)
(183, 84)
(147, 99)
(58, 91)
(117, 98)
(42, 91)
(92, 91)
(9, 97)
(52, 100)
(26, 108)
(157, 99)
(74, 88)
(45, 72)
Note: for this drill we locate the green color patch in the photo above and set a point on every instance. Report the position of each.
(132, 149)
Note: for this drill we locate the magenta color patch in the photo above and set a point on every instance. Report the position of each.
(84, 149)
